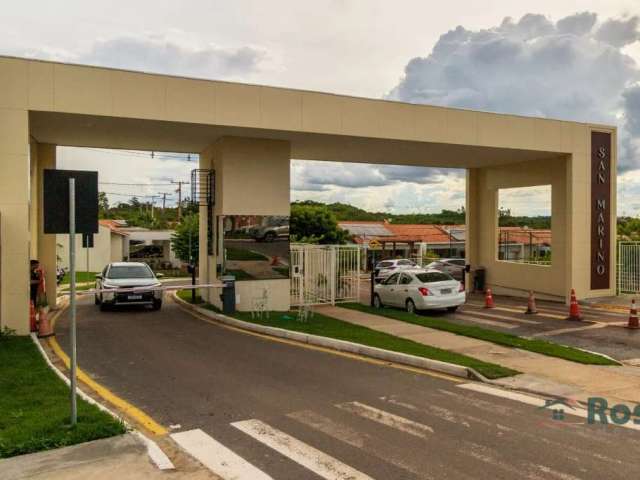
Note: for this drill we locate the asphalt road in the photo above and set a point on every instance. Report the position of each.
(378, 421)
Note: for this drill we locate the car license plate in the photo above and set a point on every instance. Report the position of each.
(445, 291)
(134, 297)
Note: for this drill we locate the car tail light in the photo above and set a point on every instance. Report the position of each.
(424, 291)
(461, 288)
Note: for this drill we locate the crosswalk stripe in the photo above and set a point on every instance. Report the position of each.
(501, 317)
(216, 457)
(539, 314)
(443, 413)
(389, 419)
(309, 457)
(351, 437)
(483, 321)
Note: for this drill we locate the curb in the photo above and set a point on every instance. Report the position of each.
(459, 371)
(157, 456)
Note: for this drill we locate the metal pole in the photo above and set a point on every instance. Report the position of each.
(72, 298)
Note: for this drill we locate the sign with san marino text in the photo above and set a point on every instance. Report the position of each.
(600, 210)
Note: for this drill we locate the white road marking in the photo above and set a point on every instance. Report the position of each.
(537, 402)
(351, 437)
(389, 419)
(216, 457)
(441, 412)
(560, 331)
(466, 316)
(539, 314)
(500, 317)
(318, 462)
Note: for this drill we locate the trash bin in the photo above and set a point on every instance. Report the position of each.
(228, 295)
(479, 279)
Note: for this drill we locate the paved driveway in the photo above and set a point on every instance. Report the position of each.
(275, 410)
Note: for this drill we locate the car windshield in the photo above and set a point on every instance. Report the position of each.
(129, 271)
(385, 264)
(429, 277)
(405, 262)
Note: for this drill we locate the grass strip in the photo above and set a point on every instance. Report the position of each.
(81, 277)
(34, 405)
(244, 254)
(508, 340)
(324, 326)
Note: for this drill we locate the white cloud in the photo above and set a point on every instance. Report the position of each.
(572, 69)
(173, 52)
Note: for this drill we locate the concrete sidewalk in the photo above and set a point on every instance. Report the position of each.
(542, 374)
(123, 457)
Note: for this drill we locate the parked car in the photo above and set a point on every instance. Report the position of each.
(386, 267)
(453, 266)
(121, 275)
(269, 233)
(419, 289)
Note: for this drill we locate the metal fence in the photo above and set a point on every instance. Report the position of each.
(324, 274)
(628, 280)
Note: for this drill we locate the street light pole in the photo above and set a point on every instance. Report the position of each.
(72, 298)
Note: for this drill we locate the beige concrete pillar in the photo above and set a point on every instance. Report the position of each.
(47, 247)
(472, 206)
(252, 178)
(14, 220)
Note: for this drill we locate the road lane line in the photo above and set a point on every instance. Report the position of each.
(318, 462)
(216, 457)
(513, 310)
(537, 402)
(501, 317)
(560, 331)
(125, 407)
(440, 412)
(469, 318)
(389, 419)
(352, 437)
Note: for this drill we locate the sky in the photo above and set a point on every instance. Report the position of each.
(574, 60)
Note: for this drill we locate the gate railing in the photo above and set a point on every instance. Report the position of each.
(628, 280)
(324, 274)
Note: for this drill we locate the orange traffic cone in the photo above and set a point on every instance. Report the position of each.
(574, 309)
(275, 260)
(488, 299)
(32, 317)
(633, 316)
(44, 326)
(531, 304)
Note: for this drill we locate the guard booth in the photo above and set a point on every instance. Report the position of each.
(247, 134)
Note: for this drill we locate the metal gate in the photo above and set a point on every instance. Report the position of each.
(322, 274)
(628, 267)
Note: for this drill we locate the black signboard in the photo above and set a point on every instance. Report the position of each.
(56, 201)
(600, 210)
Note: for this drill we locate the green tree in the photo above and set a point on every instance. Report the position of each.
(315, 224)
(185, 239)
(103, 205)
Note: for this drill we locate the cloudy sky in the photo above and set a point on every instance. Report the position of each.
(567, 59)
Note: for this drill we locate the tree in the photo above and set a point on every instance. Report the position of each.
(185, 239)
(315, 224)
(103, 205)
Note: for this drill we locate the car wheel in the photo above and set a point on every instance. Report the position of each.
(157, 304)
(269, 237)
(411, 307)
(452, 309)
(377, 303)
(96, 300)
(103, 307)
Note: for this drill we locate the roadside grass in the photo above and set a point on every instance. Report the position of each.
(34, 405)
(533, 345)
(80, 277)
(324, 326)
(243, 254)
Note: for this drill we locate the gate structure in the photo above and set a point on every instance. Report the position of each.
(628, 267)
(324, 274)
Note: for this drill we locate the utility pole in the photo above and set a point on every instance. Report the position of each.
(179, 191)
(153, 201)
(164, 199)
